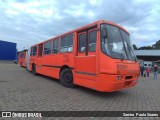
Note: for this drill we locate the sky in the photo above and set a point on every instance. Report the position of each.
(27, 22)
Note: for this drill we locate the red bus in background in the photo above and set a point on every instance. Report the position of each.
(97, 56)
(22, 58)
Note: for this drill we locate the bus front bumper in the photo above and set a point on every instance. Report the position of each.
(109, 83)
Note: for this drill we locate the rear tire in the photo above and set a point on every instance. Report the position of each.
(66, 78)
(34, 70)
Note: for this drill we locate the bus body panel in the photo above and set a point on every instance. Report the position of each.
(108, 83)
(93, 70)
(85, 65)
(22, 58)
(85, 74)
(120, 66)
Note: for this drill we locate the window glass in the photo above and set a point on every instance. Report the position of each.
(55, 46)
(128, 45)
(40, 50)
(70, 42)
(47, 47)
(63, 42)
(34, 51)
(113, 45)
(92, 41)
(82, 43)
(66, 43)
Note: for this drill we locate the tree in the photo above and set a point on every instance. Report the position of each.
(156, 45)
(135, 47)
(146, 48)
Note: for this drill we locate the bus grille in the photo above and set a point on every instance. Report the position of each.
(128, 77)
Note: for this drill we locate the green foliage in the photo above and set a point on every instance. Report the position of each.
(146, 48)
(135, 47)
(157, 45)
(153, 47)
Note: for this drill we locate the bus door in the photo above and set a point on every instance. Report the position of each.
(85, 60)
(39, 60)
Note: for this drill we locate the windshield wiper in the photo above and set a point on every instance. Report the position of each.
(132, 52)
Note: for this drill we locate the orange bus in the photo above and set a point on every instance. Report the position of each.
(22, 58)
(98, 56)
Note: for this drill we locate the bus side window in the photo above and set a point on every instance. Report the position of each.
(92, 40)
(47, 47)
(40, 50)
(63, 44)
(66, 44)
(34, 51)
(82, 43)
(55, 46)
(69, 43)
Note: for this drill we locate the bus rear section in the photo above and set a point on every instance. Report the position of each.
(22, 58)
(28, 59)
(98, 56)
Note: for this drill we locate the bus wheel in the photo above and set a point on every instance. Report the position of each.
(34, 70)
(66, 78)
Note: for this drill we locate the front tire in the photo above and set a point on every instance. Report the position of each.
(66, 78)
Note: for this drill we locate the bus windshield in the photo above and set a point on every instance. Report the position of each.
(117, 43)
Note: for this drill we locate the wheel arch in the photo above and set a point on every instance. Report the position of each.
(64, 67)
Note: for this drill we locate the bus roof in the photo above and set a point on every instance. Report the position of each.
(86, 26)
(22, 51)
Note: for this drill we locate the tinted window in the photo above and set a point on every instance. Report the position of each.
(34, 51)
(92, 41)
(82, 43)
(66, 43)
(40, 50)
(47, 47)
(70, 42)
(55, 46)
(63, 42)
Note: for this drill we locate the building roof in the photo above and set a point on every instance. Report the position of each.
(147, 52)
(7, 42)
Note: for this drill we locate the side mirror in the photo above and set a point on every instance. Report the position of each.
(104, 32)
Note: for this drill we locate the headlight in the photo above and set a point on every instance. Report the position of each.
(119, 77)
(136, 76)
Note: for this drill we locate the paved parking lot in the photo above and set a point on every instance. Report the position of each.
(22, 91)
